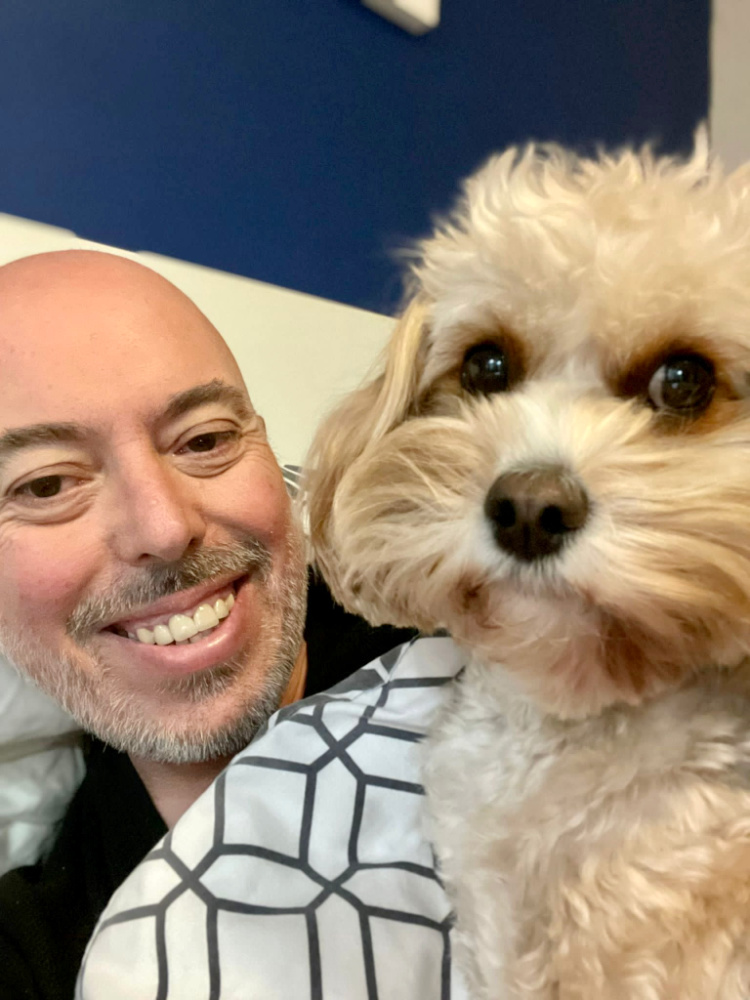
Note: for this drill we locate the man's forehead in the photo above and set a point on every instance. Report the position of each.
(38, 272)
(87, 330)
(59, 295)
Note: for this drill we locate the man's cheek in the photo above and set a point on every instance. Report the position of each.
(256, 499)
(42, 581)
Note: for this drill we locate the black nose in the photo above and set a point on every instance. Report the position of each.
(533, 511)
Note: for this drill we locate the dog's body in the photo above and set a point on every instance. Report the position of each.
(607, 858)
(555, 466)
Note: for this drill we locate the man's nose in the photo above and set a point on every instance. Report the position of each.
(155, 515)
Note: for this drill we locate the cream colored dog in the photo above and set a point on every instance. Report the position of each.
(555, 467)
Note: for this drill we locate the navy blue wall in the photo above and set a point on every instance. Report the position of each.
(300, 141)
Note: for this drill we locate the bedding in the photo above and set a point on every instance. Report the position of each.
(41, 765)
(304, 871)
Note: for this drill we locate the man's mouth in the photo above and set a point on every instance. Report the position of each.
(192, 625)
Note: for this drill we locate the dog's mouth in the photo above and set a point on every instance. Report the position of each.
(482, 595)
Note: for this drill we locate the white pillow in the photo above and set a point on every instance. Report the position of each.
(41, 765)
(303, 872)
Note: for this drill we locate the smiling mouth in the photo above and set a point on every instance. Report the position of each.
(192, 626)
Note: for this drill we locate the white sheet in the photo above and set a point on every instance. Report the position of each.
(41, 765)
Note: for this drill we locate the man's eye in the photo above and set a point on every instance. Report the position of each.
(42, 488)
(203, 442)
(210, 443)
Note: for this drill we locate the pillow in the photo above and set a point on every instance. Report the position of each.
(303, 871)
(41, 765)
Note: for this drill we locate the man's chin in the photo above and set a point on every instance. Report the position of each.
(193, 734)
(189, 748)
(190, 719)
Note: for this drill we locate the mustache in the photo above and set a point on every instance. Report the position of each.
(156, 582)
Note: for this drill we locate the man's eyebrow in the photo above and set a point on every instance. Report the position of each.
(214, 391)
(19, 438)
(35, 435)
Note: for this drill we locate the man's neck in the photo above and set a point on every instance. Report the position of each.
(173, 788)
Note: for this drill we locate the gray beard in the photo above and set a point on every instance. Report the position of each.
(117, 718)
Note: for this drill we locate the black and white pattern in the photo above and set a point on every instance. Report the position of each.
(303, 873)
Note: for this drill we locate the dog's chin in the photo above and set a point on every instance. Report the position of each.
(571, 656)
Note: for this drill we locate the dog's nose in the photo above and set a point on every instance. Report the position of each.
(533, 511)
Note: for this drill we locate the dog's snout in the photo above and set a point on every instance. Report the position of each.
(533, 511)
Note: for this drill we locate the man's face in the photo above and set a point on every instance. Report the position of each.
(138, 500)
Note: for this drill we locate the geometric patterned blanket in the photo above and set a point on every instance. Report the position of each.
(303, 872)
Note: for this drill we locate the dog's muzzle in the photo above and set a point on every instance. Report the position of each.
(534, 511)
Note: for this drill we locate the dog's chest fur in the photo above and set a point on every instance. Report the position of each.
(600, 859)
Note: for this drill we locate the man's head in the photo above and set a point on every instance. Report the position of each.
(137, 486)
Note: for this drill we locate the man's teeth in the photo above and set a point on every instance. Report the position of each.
(181, 628)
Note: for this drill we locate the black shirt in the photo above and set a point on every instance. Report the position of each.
(48, 911)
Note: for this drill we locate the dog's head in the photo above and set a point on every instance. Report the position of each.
(554, 464)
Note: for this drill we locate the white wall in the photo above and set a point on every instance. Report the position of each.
(730, 80)
(298, 353)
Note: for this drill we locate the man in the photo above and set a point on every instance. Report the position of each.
(152, 577)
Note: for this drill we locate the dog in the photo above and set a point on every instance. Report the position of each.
(554, 466)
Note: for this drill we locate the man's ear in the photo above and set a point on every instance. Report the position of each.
(357, 424)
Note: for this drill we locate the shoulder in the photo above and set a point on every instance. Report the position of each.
(48, 911)
(39, 945)
(338, 643)
(385, 687)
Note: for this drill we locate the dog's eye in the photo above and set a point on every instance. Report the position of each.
(485, 369)
(683, 384)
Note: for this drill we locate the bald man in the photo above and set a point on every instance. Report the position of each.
(152, 576)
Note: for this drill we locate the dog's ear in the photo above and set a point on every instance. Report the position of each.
(361, 420)
(739, 182)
